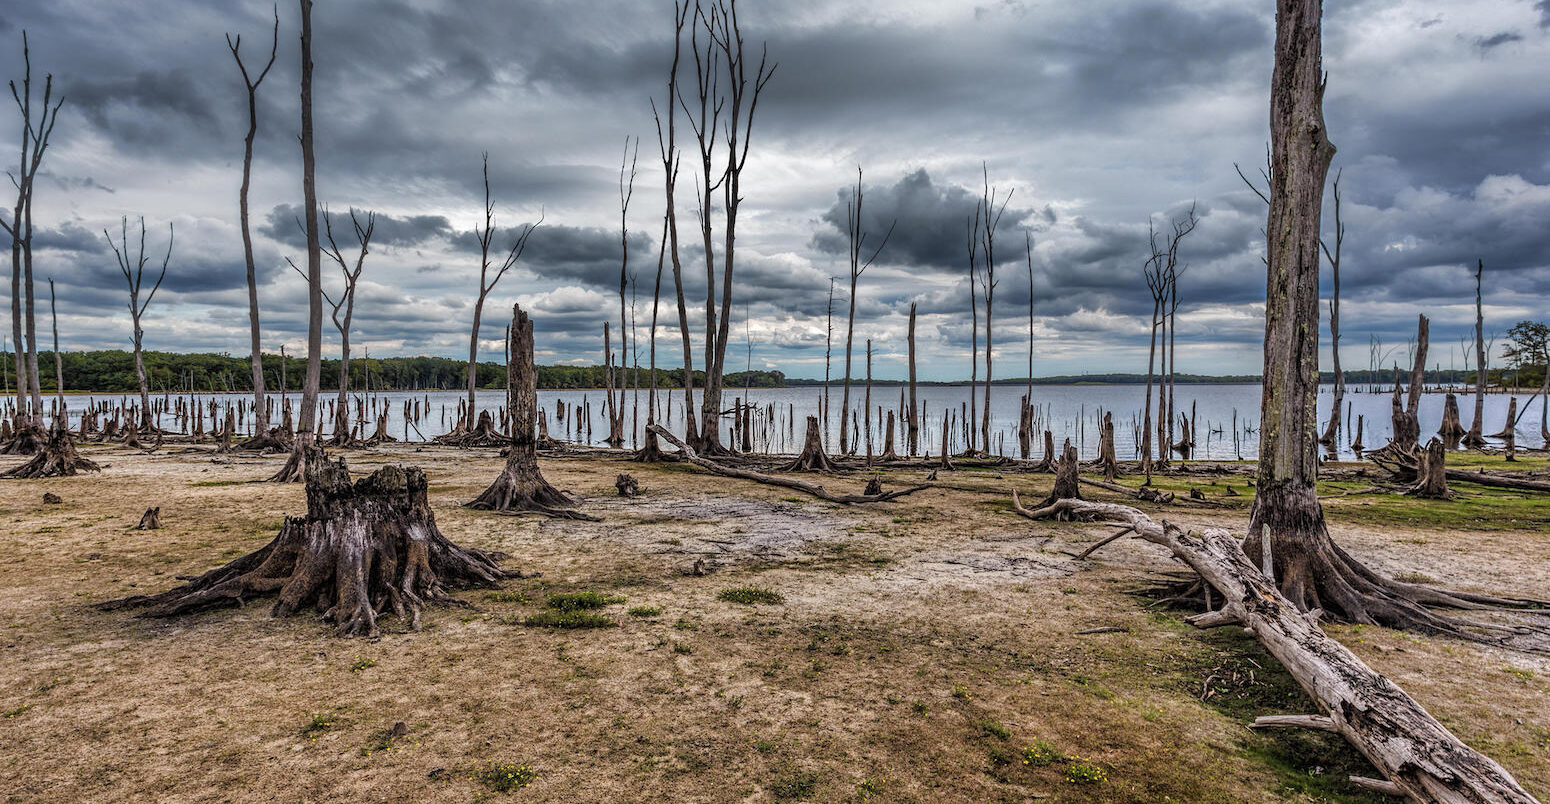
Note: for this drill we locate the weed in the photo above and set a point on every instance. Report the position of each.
(764, 746)
(993, 729)
(506, 596)
(320, 723)
(800, 784)
(10, 713)
(686, 625)
(1081, 771)
(750, 595)
(921, 708)
(568, 619)
(645, 612)
(1041, 753)
(870, 786)
(682, 649)
(961, 692)
(362, 664)
(773, 668)
(504, 777)
(581, 601)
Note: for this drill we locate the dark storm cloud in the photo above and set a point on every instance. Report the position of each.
(142, 107)
(1543, 7)
(1485, 43)
(928, 222)
(281, 223)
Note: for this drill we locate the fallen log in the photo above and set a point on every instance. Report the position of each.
(784, 482)
(1417, 755)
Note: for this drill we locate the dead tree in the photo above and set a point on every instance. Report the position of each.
(812, 458)
(913, 427)
(361, 551)
(972, 235)
(828, 359)
(34, 144)
(1024, 418)
(1067, 482)
(521, 487)
(296, 466)
(1407, 424)
(346, 300)
(1310, 569)
(1332, 429)
(262, 438)
(626, 192)
(485, 235)
(1474, 439)
(59, 360)
(1155, 274)
(671, 160)
(1452, 430)
(1417, 755)
(133, 269)
(651, 450)
(855, 241)
(724, 87)
(992, 220)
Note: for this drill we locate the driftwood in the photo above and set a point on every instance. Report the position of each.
(1419, 757)
(784, 482)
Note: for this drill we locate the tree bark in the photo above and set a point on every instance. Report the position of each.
(914, 415)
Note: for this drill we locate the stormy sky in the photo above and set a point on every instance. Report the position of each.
(1097, 116)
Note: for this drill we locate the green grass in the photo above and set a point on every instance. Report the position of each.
(796, 785)
(556, 618)
(581, 601)
(645, 612)
(750, 595)
(504, 777)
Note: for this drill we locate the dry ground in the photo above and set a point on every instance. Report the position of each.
(922, 645)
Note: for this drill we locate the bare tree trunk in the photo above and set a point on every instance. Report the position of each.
(1146, 406)
(914, 422)
(260, 408)
(670, 164)
(520, 486)
(59, 362)
(1432, 472)
(856, 239)
(133, 269)
(1107, 460)
(974, 327)
(1475, 438)
(1332, 429)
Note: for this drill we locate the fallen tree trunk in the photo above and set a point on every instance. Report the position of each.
(784, 482)
(1419, 757)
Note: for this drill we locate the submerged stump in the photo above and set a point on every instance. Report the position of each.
(362, 550)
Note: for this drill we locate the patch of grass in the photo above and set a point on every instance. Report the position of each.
(750, 595)
(1040, 754)
(556, 618)
(17, 712)
(506, 596)
(1414, 577)
(1081, 771)
(868, 787)
(1473, 507)
(211, 483)
(796, 785)
(645, 612)
(682, 649)
(581, 601)
(991, 728)
(961, 692)
(320, 723)
(921, 708)
(361, 664)
(504, 777)
(686, 625)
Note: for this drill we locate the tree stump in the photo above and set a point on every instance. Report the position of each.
(1067, 484)
(50, 498)
(28, 439)
(889, 454)
(1107, 462)
(1048, 464)
(874, 486)
(813, 458)
(151, 520)
(1432, 473)
(627, 485)
(1452, 429)
(1510, 427)
(362, 550)
(1407, 430)
(520, 486)
(55, 457)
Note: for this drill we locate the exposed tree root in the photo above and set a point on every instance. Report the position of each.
(27, 440)
(812, 458)
(274, 439)
(55, 458)
(484, 434)
(362, 550)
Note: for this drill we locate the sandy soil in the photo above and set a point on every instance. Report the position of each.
(922, 644)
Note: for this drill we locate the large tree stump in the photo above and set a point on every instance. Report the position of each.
(521, 487)
(812, 458)
(1510, 427)
(55, 457)
(362, 550)
(1432, 473)
(889, 453)
(27, 439)
(1452, 429)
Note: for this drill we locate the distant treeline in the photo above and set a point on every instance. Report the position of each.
(112, 371)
